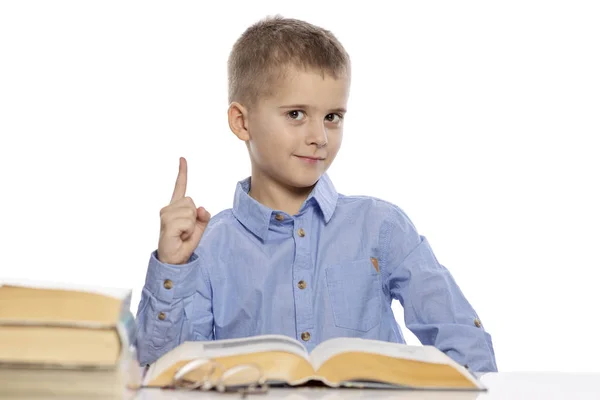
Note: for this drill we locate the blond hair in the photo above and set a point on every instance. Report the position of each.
(264, 52)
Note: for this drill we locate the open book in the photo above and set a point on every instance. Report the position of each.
(340, 362)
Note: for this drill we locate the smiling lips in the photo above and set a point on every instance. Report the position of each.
(310, 160)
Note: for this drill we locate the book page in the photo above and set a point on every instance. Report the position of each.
(118, 293)
(426, 354)
(226, 347)
(332, 347)
(60, 304)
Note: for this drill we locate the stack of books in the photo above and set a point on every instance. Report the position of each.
(58, 341)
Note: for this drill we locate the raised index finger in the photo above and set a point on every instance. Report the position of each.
(181, 182)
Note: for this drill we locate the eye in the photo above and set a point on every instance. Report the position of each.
(296, 115)
(334, 117)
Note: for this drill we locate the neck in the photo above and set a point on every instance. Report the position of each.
(275, 195)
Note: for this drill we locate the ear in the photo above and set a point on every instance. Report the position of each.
(237, 115)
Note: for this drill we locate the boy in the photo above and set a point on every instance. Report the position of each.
(293, 256)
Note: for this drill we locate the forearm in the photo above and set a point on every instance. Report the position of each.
(438, 313)
(467, 345)
(175, 306)
(435, 309)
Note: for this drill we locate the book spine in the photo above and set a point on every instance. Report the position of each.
(126, 328)
(128, 360)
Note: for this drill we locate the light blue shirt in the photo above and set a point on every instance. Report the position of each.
(331, 270)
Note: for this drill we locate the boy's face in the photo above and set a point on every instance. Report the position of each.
(295, 134)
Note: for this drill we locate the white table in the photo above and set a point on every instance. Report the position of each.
(502, 385)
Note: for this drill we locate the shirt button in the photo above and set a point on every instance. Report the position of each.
(279, 217)
(305, 336)
(301, 232)
(302, 285)
(168, 284)
(477, 322)
(162, 316)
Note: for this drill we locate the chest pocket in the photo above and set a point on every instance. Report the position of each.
(355, 294)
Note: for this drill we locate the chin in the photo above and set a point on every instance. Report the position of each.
(303, 179)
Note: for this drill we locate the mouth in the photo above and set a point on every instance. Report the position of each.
(311, 160)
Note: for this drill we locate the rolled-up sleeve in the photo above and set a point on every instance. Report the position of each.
(175, 306)
(435, 308)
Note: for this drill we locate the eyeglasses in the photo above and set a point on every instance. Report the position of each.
(206, 374)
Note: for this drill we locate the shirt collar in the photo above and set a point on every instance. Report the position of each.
(256, 217)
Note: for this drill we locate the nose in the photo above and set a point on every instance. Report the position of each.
(317, 135)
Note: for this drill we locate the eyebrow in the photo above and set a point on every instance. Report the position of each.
(304, 106)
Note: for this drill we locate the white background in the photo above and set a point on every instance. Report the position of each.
(480, 119)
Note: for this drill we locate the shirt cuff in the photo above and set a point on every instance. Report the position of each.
(168, 282)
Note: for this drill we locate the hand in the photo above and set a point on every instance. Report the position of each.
(181, 223)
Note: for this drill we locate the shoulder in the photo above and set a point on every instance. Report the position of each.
(219, 227)
(373, 207)
(215, 235)
(397, 234)
(365, 201)
(221, 221)
(388, 219)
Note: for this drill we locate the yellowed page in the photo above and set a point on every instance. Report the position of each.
(276, 366)
(331, 347)
(115, 292)
(53, 304)
(424, 366)
(262, 348)
(364, 367)
(59, 346)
